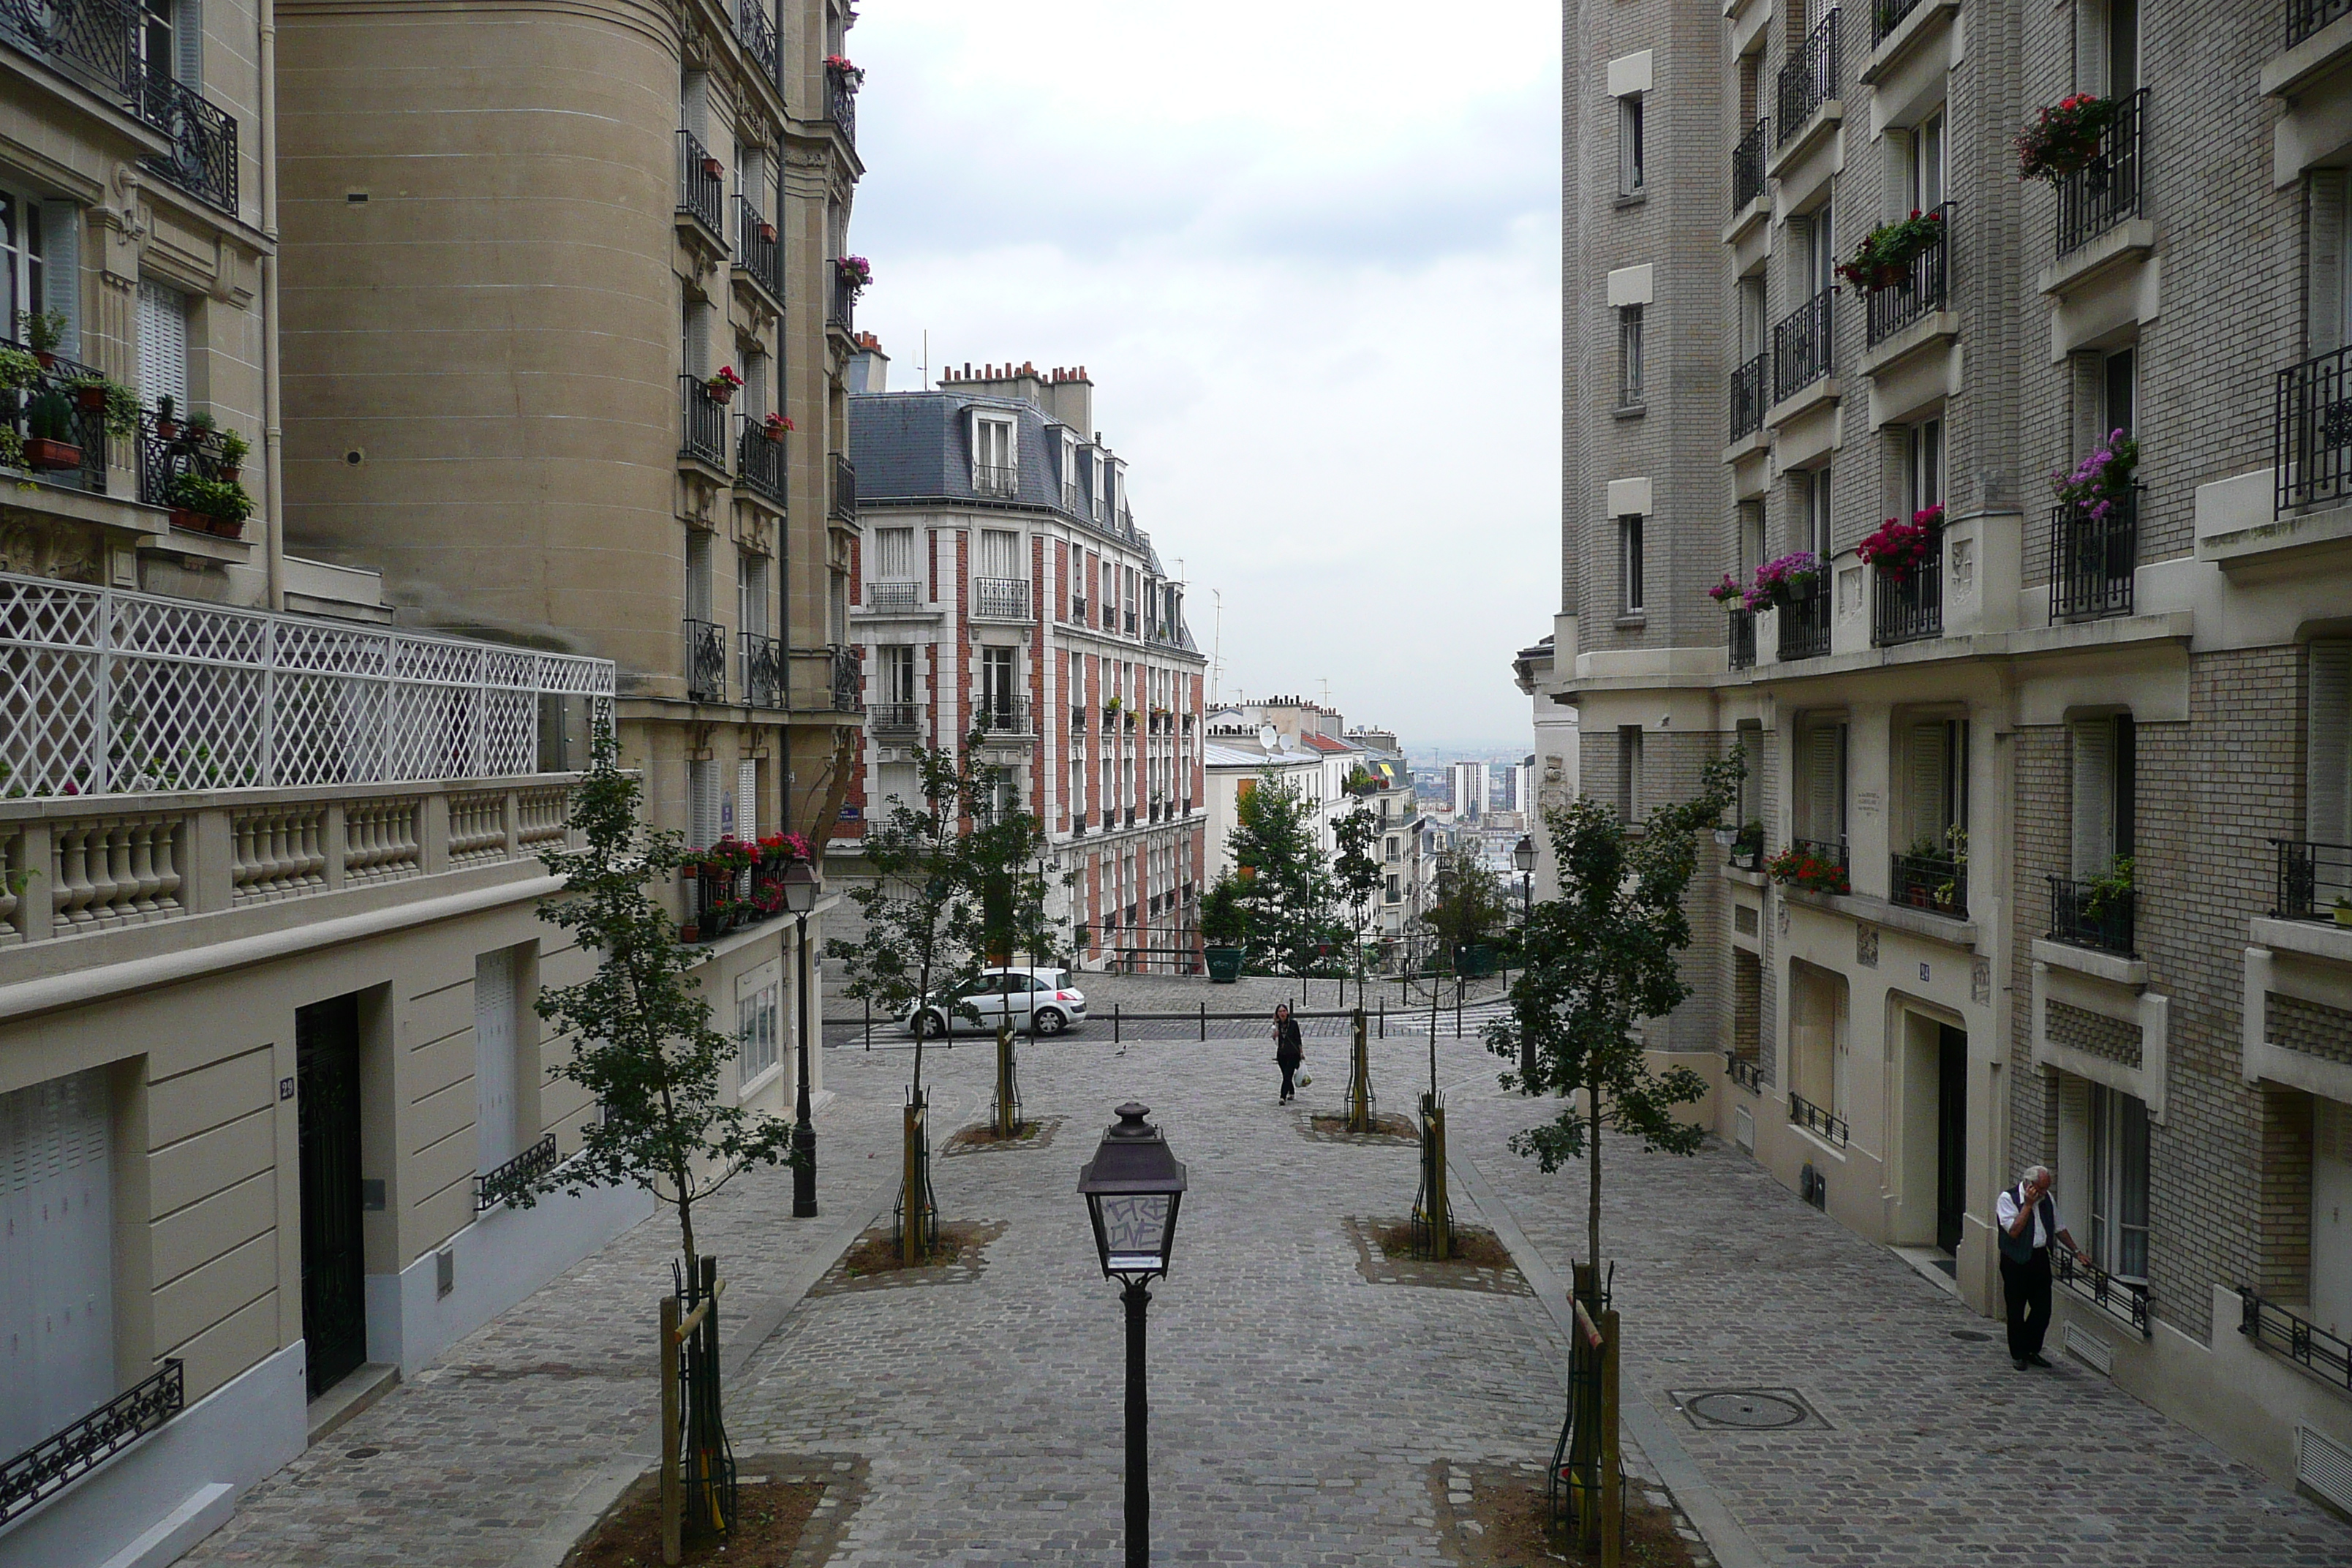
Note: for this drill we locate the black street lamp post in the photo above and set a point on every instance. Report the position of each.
(801, 887)
(1523, 855)
(1133, 1187)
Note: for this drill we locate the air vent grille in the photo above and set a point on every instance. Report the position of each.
(2323, 1465)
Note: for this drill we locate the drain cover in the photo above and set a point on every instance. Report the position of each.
(1975, 1336)
(1742, 1408)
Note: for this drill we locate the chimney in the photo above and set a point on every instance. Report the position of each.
(1070, 398)
(869, 367)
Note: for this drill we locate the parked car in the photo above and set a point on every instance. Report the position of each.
(1042, 1001)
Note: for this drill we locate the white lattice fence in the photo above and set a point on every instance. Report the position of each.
(108, 693)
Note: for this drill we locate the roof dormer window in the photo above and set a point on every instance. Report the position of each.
(993, 473)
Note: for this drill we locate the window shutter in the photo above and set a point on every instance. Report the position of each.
(2328, 762)
(702, 803)
(1821, 785)
(2324, 291)
(163, 344)
(1929, 767)
(494, 1061)
(188, 36)
(698, 575)
(747, 800)
(61, 270)
(2094, 796)
(56, 1289)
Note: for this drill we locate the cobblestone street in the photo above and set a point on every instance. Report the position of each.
(1300, 1410)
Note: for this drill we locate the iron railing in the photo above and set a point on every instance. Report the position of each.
(1907, 601)
(202, 159)
(1810, 80)
(2108, 187)
(1002, 713)
(1936, 882)
(702, 421)
(2093, 559)
(995, 480)
(999, 598)
(188, 452)
(1745, 1071)
(848, 680)
(95, 42)
(2125, 1301)
(1743, 638)
(841, 102)
(706, 660)
(2304, 17)
(1805, 624)
(2080, 916)
(895, 718)
(1886, 15)
(2311, 878)
(56, 1462)
(763, 669)
(759, 248)
(1802, 345)
(1747, 159)
(1749, 394)
(701, 194)
(760, 459)
(756, 30)
(1819, 1122)
(1130, 623)
(893, 595)
(845, 488)
(495, 1187)
(2311, 434)
(2301, 1341)
(1831, 852)
(1925, 280)
(1078, 609)
(64, 441)
(844, 316)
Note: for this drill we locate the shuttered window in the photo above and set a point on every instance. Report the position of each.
(1822, 767)
(57, 1257)
(2103, 789)
(2328, 750)
(747, 799)
(702, 787)
(495, 1137)
(163, 344)
(894, 553)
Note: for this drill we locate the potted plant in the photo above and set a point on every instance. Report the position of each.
(231, 462)
(1884, 258)
(1800, 869)
(2104, 895)
(2102, 481)
(1224, 926)
(774, 426)
(839, 66)
(19, 371)
(723, 385)
(711, 166)
(1111, 710)
(2343, 910)
(1784, 581)
(95, 394)
(167, 423)
(49, 431)
(767, 232)
(2065, 138)
(202, 505)
(1947, 891)
(855, 271)
(201, 428)
(1897, 546)
(45, 330)
(1917, 894)
(1728, 593)
(1748, 847)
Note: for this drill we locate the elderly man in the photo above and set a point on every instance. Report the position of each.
(2028, 1218)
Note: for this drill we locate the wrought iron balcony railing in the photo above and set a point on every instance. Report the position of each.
(494, 1187)
(2304, 1342)
(895, 718)
(2082, 914)
(95, 42)
(2312, 877)
(756, 30)
(845, 488)
(705, 660)
(1749, 393)
(1130, 623)
(1743, 638)
(1817, 1122)
(1745, 1071)
(1805, 625)
(844, 317)
(702, 421)
(701, 185)
(841, 102)
(759, 248)
(2125, 1301)
(1936, 882)
(2311, 434)
(893, 595)
(1907, 601)
(60, 420)
(1002, 713)
(848, 692)
(1079, 719)
(1749, 156)
(763, 671)
(56, 1462)
(1810, 80)
(1802, 345)
(760, 459)
(2108, 187)
(1078, 609)
(995, 480)
(2304, 17)
(202, 159)
(1922, 290)
(2093, 560)
(999, 598)
(1829, 851)
(1886, 15)
(165, 462)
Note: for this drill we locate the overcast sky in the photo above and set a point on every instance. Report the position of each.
(1309, 254)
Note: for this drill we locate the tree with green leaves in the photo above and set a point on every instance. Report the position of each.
(1599, 959)
(1285, 884)
(645, 1052)
(1225, 922)
(1356, 875)
(1471, 904)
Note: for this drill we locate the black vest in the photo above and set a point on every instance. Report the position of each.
(2021, 1248)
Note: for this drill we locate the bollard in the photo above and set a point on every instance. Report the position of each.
(1204, 1021)
(1114, 1024)
(1360, 1081)
(671, 1502)
(869, 1023)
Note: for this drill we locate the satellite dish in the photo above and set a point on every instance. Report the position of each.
(1267, 736)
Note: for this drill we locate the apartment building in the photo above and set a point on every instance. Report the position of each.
(1000, 589)
(2040, 513)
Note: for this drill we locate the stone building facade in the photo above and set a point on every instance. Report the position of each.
(2072, 765)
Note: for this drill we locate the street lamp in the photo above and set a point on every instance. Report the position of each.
(1133, 1187)
(1523, 855)
(801, 887)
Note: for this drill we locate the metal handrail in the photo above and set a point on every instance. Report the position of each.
(56, 1461)
(1926, 279)
(1805, 625)
(1920, 880)
(760, 459)
(2125, 1301)
(995, 480)
(756, 33)
(763, 671)
(1886, 15)
(1745, 1071)
(841, 102)
(1816, 1121)
(1750, 395)
(706, 660)
(845, 488)
(700, 195)
(1743, 638)
(2109, 186)
(1747, 164)
(2309, 870)
(1001, 598)
(2301, 1341)
(2311, 434)
(893, 594)
(495, 1187)
(1802, 344)
(895, 718)
(2093, 560)
(1002, 714)
(1907, 601)
(2304, 17)
(756, 253)
(702, 421)
(1810, 80)
(202, 159)
(2073, 922)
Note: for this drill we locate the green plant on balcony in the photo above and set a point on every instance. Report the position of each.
(2065, 137)
(19, 371)
(94, 393)
(44, 332)
(232, 450)
(221, 504)
(1800, 869)
(1884, 258)
(1947, 892)
(2105, 894)
(2103, 481)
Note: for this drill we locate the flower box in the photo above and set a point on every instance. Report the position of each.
(712, 166)
(1883, 261)
(41, 452)
(2065, 138)
(90, 399)
(767, 233)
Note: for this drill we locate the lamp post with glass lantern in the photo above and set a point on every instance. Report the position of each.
(802, 888)
(1523, 855)
(1133, 1187)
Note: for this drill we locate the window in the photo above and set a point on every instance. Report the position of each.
(751, 592)
(57, 1270)
(2103, 771)
(701, 803)
(698, 575)
(1821, 253)
(1628, 144)
(2118, 1233)
(894, 554)
(2118, 402)
(996, 689)
(1813, 517)
(1393, 887)
(1000, 554)
(1629, 773)
(1934, 786)
(2123, 47)
(1393, 846)
(759, 1009)
(747, 806)
(25, 261)
(1629, 356)
(162, 344)
(694, 329)
(1755, 317)
(1922, 464)
(1750, 736)
(2328, 746)
(1926, 163)
(1629, 534)
(1817, 1035)
(1820, 769)
(993, 472)
(895, 674)
(495, 1139)
(1751, 538)
(895, 783)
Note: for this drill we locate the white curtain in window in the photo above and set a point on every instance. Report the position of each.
(999, 554)
(894, 554)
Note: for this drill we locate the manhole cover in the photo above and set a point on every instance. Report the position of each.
(1974, 1336)
(362, 1453)
(1736, 1407)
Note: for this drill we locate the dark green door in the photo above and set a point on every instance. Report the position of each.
(1951, 1135)
(334, 1272)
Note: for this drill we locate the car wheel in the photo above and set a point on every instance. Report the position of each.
(929, 1025)
(1047, 1021)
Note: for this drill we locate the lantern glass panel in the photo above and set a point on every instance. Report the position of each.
(1135, 1230)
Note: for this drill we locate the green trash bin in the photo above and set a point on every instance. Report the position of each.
(1225, 964)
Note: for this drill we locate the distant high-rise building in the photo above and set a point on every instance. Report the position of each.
(1469, 791)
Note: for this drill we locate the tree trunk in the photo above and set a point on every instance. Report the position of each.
(1592, 1212)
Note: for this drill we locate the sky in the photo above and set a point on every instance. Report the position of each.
(1309, 255)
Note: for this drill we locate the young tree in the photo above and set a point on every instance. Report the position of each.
(1471, 903)
(647, 1052)
(1285, 884)
(1599, 959)
(1355, 873)
(1225, 922)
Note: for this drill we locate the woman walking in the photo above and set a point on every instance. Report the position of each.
(1288, 1050)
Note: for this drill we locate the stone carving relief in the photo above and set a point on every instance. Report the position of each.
(38, 546)
(1865, 946)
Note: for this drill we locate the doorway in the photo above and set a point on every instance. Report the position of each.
(334, 1282)
(1951, 1135)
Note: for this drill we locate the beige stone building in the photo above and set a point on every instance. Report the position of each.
(2076, 770)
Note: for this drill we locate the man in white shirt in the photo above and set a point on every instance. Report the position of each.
(2028, 1219)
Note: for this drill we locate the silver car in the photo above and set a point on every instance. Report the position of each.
(1041, 1001)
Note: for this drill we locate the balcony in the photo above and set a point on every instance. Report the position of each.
(202, 159)
(848, 693)
(2311, 878)
(2306, 17)
(1830, 852)
(1747, 159)
(61, 426)
(1907, 601)
(1886, 15)
(1130, 623)
(1078, 609)
(701, 185)
(2106, 190)
(1748, 396)
(763, 671)
(841, 101)
(756, 31)
(1936, 882)
(1810, 80)
(2082, 914)
(702, 422)
(990, 480)
(705, 660)
(999, 598)
(1921, 290)
(894, 719)
(1830, 1128)
(1002, 713)
(1743, 638)
(845, 488)
(56, 1462)
(1805, 625)
(2093, 560)
(894, 597)
(759, 251)
(760, 459)
(2311, 435)
(167, 462)
(1802, 345)
(2304, 1343)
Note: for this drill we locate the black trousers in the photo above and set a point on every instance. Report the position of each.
(2026, 1288)
(1290, 1071)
